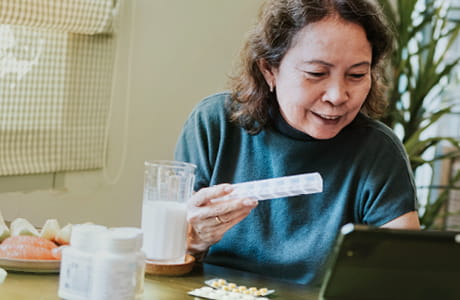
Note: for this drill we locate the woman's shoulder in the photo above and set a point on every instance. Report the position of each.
(376, 130)
(210, 111)
(377, 125)
(213, 103)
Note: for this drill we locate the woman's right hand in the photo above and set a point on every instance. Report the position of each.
(210, 220)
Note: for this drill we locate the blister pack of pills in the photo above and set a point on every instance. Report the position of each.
(279, 187)
(220, 289)
(207, 292)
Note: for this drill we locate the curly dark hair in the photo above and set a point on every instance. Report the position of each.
(278, 23)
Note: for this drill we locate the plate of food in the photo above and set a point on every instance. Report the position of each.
(24, 248)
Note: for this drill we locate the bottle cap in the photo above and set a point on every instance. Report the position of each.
(122, 239)
(137, 232)
(86, 237)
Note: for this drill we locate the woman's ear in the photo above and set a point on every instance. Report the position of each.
(268, 73)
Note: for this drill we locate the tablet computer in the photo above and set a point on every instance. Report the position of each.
(389, 264)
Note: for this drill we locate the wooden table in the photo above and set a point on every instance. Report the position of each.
(26, 286)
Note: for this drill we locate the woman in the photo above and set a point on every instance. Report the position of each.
(310, 81)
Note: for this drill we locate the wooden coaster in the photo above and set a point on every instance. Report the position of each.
(155, 268)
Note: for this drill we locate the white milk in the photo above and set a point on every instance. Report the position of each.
(164, 226)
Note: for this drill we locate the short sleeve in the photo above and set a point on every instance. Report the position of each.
(389, 189)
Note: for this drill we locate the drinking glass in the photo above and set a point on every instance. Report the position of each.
(167, 186)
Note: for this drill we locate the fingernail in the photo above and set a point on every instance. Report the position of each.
(250, 202)
(228, 188)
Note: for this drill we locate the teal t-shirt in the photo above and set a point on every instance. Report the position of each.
(366, 179)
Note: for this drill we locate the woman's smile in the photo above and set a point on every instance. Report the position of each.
(327, 117)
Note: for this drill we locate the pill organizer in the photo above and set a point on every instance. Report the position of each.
(279, 187)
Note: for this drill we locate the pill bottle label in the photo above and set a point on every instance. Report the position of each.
(75, 275)
(114, 280)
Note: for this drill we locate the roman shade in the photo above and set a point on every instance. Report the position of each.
(56, 59)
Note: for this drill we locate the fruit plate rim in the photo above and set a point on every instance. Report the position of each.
(30, 265)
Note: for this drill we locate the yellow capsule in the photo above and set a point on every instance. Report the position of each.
(252, 289)
(263, 291)
(226, 288)
(215, 284)
(246, 292)
(235, 290)
(232, 285)
(242, 288)
(221, 281)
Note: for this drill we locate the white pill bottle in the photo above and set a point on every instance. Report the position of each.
(76, 271)
(119, 265)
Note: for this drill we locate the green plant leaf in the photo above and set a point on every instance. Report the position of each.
(432, 209)
(419, 73)
(412, 138)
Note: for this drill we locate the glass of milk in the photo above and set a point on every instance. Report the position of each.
(167, 187)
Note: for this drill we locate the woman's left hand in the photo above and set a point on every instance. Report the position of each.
(209, 219)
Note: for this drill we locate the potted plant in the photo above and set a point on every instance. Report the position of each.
(421, 70)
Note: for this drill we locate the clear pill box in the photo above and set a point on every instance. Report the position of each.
(279, 187)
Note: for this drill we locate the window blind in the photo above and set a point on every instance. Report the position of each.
(71, 16)
(56, 62)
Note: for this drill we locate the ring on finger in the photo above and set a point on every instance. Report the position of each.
(219, 220)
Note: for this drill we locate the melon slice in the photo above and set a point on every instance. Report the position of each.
(63, 236)
(50, 229)
(21, 226)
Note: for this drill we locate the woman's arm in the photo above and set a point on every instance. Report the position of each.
(407, 221)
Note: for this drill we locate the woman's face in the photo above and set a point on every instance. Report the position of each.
(324, 78)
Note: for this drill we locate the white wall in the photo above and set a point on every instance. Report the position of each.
(171, 54)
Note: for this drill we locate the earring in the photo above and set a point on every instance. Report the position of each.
(271, 87)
